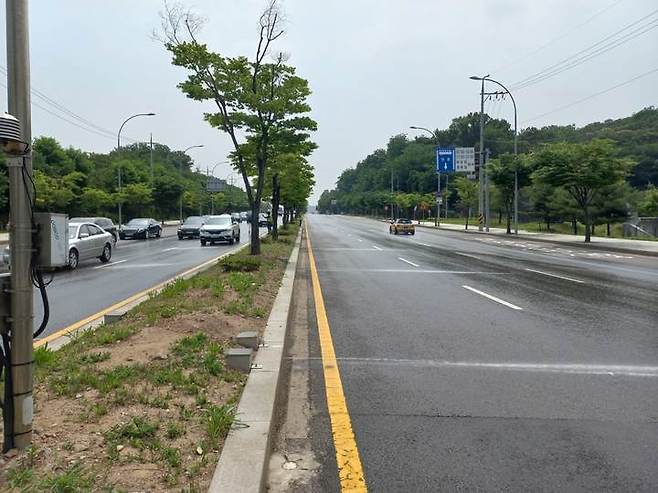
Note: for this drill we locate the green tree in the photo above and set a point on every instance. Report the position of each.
(543, 203)
(251, 97)
(96, 201)
(467, 193)
(502, 171)
(649, 201)
(583, 170)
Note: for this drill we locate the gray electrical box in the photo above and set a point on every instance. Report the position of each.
(53, 239)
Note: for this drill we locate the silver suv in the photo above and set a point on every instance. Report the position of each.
(219, 228)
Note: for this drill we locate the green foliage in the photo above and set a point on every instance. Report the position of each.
(85, 184)
(583, 170)
(649, 201)
(220, 419)
(240, 263)
(261, 106)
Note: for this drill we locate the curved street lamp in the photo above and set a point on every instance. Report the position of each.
(119, 148)
(516, 172)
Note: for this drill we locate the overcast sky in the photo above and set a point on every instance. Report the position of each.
(375, 67)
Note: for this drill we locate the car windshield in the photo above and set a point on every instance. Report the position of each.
(73, 229)
(404, 221)
(219, 221)
(137, 223)
(193, 221)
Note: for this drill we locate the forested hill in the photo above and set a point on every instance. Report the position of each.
(411, 160)
(76, 182)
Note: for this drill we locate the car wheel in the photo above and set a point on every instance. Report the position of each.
(237, 239)
(413, 233)
(73, 259)
(231, 240)
(158, 234)
(203, 242)
(107, 253)
(180, 237)
(122, 237)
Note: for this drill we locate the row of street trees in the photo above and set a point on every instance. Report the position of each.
(590, 175)
(83, 183)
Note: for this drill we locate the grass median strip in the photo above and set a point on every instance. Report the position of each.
(147, 402)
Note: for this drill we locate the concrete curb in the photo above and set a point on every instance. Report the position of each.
(243, 463)
(62, 337)
(595, 246)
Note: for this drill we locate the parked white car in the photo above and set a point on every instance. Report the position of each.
(219, 228)
(87, 241)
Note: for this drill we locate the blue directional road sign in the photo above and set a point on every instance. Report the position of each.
(445, 160)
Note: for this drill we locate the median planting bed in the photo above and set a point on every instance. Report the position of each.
(145, 404)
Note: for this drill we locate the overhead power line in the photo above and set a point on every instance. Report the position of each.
(71, 117)
(561, 36)
(591, 96)
(606, 44)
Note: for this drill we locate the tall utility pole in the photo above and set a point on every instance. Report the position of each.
(392, 215)
(481, 207)
(20, 236)
(118, 149)
(516, 133)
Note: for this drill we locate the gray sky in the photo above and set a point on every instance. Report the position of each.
(375, 67)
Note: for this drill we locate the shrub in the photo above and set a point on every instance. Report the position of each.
(234, 263)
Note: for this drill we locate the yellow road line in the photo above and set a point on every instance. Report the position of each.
(81, 323)
(350, 470)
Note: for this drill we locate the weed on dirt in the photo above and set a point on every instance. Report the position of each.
(146, 403)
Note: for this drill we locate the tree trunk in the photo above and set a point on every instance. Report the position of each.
(574, 225)
(468, 214)
(608, 228)
(255, 238)
(588, 226)
(276, 188)
(508, 212)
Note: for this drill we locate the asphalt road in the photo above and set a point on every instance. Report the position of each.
(136, 265)
(471, 363)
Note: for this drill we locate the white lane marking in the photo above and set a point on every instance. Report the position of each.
(111, 264)
(492, 298)
(138, 266)
(468, 255)
(377, 248)
(408, 262)
(555, 275)
(424, 244)
(170, 249)
(360, 239)
(577, 368)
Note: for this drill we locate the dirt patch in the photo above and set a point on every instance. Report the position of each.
(145, 404)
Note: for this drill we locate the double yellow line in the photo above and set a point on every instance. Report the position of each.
(350, 470)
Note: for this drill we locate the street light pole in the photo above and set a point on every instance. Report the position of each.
(208, 173)
(180, 174)
(118, 149)
(438, 177)
(516, 133)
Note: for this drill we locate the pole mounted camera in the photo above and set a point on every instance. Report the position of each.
(10, 136)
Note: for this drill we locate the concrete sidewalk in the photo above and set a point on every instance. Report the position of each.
(640, 247)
